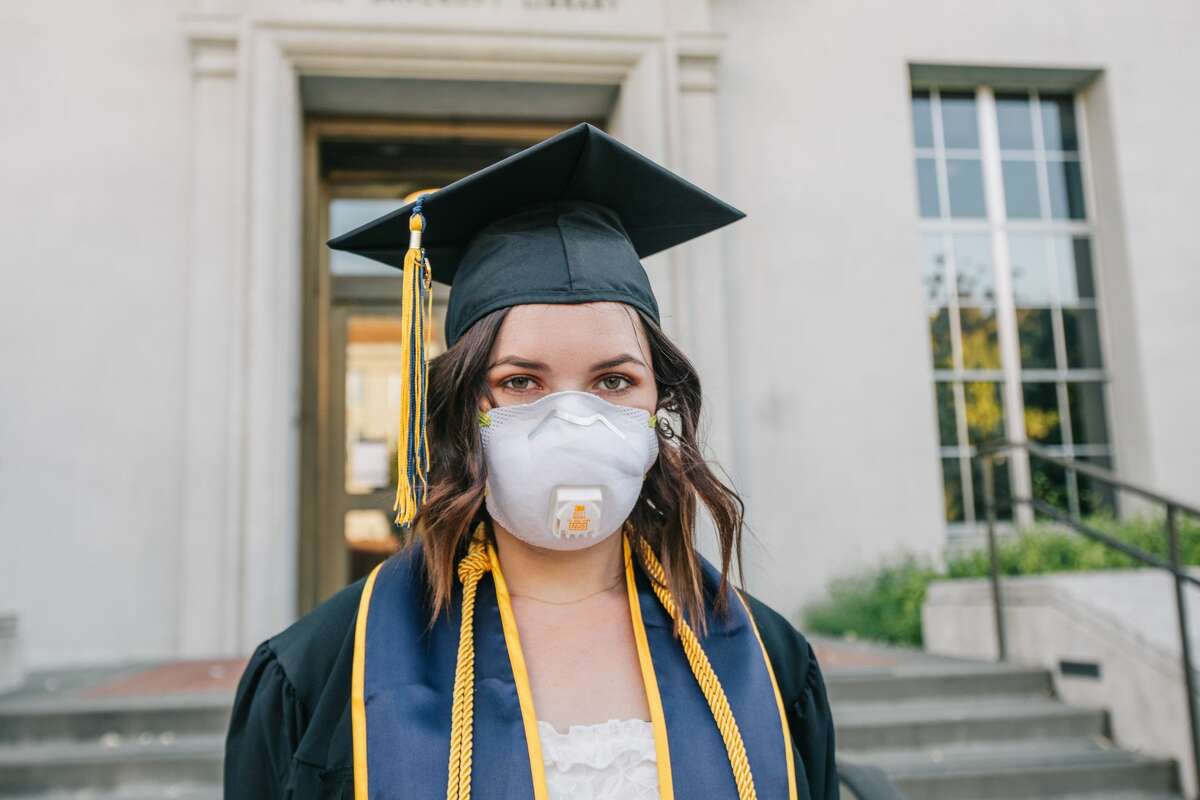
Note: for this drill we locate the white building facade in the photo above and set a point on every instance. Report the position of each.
(966, 222)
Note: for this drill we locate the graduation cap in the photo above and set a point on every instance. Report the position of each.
(564, 221)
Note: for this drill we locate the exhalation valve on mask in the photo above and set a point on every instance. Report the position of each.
(576, 511)
(565, 471)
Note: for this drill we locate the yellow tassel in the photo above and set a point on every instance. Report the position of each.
(412, 444)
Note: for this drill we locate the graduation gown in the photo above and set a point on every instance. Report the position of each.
(290, 735)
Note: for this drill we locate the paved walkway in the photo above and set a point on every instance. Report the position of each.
(838, 656)
(198, 679)
(207, 679)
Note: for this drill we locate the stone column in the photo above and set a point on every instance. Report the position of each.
(210, 561)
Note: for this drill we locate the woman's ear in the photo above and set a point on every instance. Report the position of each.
(666, 397)
(486, 401)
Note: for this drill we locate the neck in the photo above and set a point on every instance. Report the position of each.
(558, 575)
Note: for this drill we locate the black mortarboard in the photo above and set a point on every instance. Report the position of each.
(563, 221)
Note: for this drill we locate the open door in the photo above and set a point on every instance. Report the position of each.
(357, 170)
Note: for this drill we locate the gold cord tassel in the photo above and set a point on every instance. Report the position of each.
(462, 716)
(412, 444)
(710, 685)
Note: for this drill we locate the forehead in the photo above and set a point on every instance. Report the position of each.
(543, 331)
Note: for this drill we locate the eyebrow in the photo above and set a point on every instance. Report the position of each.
(624, 358)
(517, 361)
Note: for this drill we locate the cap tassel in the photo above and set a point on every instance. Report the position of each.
(416, 306)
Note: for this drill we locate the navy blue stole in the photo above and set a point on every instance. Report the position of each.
(403, 683)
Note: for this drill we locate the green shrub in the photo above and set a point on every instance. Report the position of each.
(884, 603)
(1046, 548)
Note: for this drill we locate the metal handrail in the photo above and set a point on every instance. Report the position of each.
(1090, 470)
(867, 783)
(1172, 564)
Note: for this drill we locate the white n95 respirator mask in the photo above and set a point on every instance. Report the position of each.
(566, 470)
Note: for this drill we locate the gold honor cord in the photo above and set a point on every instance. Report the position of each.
(462, 715)
(480, 559)
(710, 684)
(471, 569)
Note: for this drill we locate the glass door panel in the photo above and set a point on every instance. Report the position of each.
(367, 362)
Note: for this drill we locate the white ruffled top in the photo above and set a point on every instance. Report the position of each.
(612, 760)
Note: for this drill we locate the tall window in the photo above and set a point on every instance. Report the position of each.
(1007, 269)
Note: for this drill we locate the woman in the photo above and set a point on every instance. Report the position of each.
(550, 630)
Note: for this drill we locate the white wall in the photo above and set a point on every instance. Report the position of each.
(838, 411)
(839, 419)
(833, 431)
(94, 154)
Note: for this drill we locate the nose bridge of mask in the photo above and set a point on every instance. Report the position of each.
(582, 421)
(582, 409)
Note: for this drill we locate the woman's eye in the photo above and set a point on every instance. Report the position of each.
(518, 383)
(614, 383)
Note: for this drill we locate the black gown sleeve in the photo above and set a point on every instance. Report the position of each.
(290, 734)
(264, 732)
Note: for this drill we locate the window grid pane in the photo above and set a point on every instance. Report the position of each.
(1054, 296)
(1050, 267)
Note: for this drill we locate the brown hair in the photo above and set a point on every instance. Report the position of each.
(665, 514)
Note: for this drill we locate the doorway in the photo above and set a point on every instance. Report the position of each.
(355, 171)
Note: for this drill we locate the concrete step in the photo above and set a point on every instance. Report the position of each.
(937, 682)
(1031, 768)
(112, 763)
(126, 718)
(934, 723)
(169, 791)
